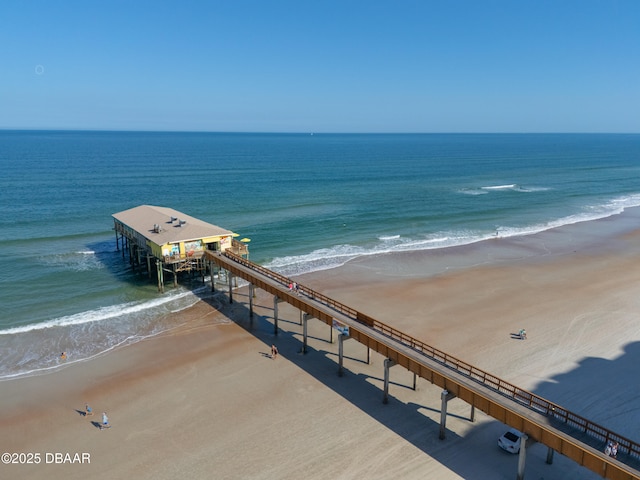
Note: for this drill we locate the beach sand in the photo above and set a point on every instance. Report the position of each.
(206, 401)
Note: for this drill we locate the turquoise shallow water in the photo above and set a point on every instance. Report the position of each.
(307, 202)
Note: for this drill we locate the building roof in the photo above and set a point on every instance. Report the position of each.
(173, 226)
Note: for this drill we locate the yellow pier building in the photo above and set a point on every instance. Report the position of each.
(171, 241)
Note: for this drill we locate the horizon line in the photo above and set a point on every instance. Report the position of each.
(309, 133)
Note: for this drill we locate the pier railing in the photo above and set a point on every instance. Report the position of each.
(523, 397)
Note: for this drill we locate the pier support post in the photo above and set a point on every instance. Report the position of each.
(175, 276)
(550, 455)
(445, 396)
(341, 338)
(276, 301)
(251, 301)
(522, 456)
(132, 258)
(305, 320)
(230, 279)
(213, 280)
(472, 415)
(159, 273)
(388, 363)
(275, 314)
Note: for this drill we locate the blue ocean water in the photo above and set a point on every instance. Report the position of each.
(307, 202)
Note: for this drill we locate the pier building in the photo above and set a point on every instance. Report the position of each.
(169, 241)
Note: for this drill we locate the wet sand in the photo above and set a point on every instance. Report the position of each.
(206, 401)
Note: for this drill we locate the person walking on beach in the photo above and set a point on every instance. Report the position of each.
(274, 351)
(105, 421)
(87, 410)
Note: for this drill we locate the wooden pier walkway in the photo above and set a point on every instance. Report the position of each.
(541, 420)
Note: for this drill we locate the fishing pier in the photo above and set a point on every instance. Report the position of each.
(169, 241)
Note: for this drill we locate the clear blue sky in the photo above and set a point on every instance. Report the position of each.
(321, 66)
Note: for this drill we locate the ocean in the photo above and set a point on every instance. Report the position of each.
(307, 202)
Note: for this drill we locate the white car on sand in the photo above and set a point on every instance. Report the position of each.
(510, 441)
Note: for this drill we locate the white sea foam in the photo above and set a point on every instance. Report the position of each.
(55, 366)
(534, 189)
(514, 187)
(74, 261)
(485, 190)
(511, 186)
(101, 314)
(35, 349)
(473, 191)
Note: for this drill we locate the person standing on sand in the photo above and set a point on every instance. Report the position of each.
(274, 351)
(105, 421)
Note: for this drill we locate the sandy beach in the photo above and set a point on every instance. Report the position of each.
(206, 401)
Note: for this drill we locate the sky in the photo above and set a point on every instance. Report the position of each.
(397, 66)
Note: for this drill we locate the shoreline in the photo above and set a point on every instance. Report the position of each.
(203, 400)
(398, 264)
